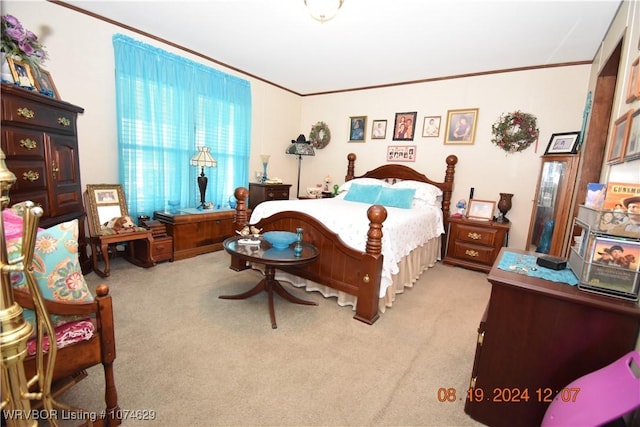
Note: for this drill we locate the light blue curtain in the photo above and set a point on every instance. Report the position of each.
(168, 106)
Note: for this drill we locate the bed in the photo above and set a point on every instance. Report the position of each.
(352, 267)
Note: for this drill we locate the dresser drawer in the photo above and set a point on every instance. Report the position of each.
(276, 194)
(477, 235)
(27, 112)
(162, 249)
(30, 175)
(22, 143)
(474, 253)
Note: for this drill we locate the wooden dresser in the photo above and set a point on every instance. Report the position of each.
(40, 142)
(259, 193)
(474, 244)
(538, 336)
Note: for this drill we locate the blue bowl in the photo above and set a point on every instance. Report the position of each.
(280, 239)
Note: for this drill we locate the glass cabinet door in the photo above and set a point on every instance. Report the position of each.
(552, 206)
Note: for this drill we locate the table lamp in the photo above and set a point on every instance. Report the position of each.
(203, 158)
(300, 147)
(265, 163)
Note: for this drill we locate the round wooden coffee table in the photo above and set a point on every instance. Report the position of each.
(272, 258)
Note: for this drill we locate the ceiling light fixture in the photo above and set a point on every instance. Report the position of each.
(323, 10)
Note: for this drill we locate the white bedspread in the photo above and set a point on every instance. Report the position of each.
(402, 231)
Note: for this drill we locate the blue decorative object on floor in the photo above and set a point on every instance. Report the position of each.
(526, 264)
(280, 239)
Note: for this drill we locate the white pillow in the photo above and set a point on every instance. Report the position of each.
(362, 181)
(425, 193)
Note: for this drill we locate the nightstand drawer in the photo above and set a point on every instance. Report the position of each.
(477, 235)
(259, 192)
(474, 253)
(277, 194)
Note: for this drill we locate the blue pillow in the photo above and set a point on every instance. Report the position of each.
(363, 193)
(396, 197)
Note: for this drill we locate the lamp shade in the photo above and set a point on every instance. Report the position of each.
(203, 158)
(300, 149)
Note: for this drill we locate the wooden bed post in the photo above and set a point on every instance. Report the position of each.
(240, 219)
(351, 157)
(369, 291)
(448, 177)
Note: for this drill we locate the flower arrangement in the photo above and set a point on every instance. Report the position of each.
(19, 42)
(515, 131)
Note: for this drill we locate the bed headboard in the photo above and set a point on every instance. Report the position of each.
(394, 172)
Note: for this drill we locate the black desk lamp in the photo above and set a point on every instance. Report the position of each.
(300, 147)
(203, 158)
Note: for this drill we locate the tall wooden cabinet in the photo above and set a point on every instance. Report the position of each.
(552, 209)
(40, 142)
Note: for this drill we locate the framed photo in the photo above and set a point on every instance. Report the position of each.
(563, 143)
(379, 129)
(632, 148)
(105, 202)
(357, 128)
(431, 126)
(404, 126)
(21, 73)
(461, 126)
(619, 136)
(481, 209)
(401, 153)
(633, 89)
(44, 84)
(614, 266)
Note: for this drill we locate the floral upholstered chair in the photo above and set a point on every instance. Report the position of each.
(83, 322)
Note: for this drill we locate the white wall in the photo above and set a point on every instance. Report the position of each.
(555, 95)
(82, 67)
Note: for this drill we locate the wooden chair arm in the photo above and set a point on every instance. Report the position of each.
(68, 308)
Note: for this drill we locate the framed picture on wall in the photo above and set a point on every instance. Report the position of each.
(619, 136)
(431, 127)
(632, 148)
(357, 128)
(461, 126)
(404, 126)
(633, 88)
(401, 153)
(379, 129)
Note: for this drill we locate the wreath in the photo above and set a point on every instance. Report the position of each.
(515, 131)
(320, 135)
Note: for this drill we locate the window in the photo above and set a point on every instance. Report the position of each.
(168, 107)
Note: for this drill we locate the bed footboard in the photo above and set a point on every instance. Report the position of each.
(338, 266)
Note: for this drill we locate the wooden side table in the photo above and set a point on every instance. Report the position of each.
(259, 192)
(475, 244)
(196, 231)
(263, 253)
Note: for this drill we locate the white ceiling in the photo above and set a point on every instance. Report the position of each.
(371, 42)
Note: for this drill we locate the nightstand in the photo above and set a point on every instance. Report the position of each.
(259, 192)
(475, 244)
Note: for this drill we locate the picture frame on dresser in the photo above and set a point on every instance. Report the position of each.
(481, 209)
(21, 72)
(44, 84)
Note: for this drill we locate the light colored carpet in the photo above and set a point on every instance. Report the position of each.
(197, 360)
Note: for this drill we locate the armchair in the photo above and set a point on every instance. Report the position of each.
(103, 203)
